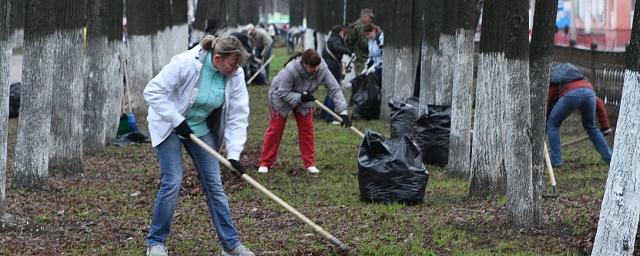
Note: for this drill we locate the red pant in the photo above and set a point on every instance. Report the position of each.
(273, 135)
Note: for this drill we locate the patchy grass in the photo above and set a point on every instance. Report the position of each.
(106, 209)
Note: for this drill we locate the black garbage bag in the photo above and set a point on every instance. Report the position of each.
(432, 134)
(390, 170)
(365, 97)
(14, 99)
(403, 114)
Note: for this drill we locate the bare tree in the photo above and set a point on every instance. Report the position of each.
(6, 47)
(68, 94)
(429, 52)
(620, 208)
(142, 26)
(103, 93)
(459, 163)
(31, 161)
(541, 48)
(487, 167)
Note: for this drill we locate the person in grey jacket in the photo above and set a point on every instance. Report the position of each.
(292, 90)
(200, 92)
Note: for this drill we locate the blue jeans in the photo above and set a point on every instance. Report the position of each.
(171, 173)
(265, 58)
(585, 100)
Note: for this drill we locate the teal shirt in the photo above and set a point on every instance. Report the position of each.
(210, 95)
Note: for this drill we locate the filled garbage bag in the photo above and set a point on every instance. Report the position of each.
(403, 114)
(390, 170)
(14, 100)
(365, 97)
(432, 134)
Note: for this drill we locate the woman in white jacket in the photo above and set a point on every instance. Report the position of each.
(201, 92)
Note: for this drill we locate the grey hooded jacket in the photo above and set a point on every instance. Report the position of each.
(292, 80)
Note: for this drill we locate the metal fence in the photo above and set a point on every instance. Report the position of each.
(605, 70)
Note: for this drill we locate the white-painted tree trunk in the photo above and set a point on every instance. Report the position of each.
(140, 70)
(404, 73)
(388, 79)
(487, 159)
(517, 154)
(446, 62)
(18, 38)
(103, 94)
(308, 38)
(322, 41)
(427, 84)
(539, 78)
(31, 156)
(196, 36)
(459, 163)
(162, 48)
(6, 46)
(179, 35)
(620, 208)
(67, 103)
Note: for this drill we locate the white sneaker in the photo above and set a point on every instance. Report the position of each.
(263, 169)
(241, 250)
(313, 169)
(157, 250)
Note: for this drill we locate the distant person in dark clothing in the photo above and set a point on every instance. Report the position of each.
(332, 55)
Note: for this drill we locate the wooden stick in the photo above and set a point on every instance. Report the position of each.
(337, 117)
(264, 190)
(582, 138)
(552, 177)
(260, 69)
(126, 83)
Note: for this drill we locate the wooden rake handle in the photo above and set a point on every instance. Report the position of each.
(260, 69)
(264, 190)
(336, 116)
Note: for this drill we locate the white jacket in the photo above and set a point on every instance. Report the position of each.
(171, 93)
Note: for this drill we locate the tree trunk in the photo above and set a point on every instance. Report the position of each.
(180, 26)
(162, 41)
(141, 28)
(405, 68)
(487, 155)
(68, 93)
(520, 206)
(6, 31)
(201, 15)
(389, 57)
(429, 67)
(31, 156)
(447, 53)
(17, 22)
(459, 163)
(232, 9)
(296, 12)
(539, 63)
(103, 94)
(620, 208)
